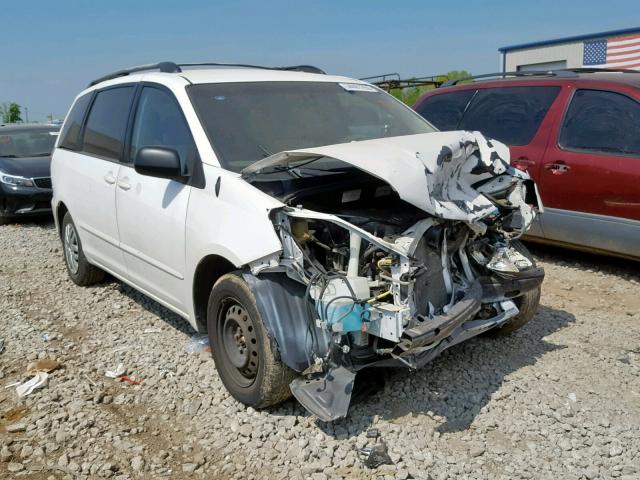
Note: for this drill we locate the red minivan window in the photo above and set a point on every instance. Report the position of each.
(509, 114)
(601, 121)
(445, 111)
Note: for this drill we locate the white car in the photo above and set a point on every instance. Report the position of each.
(313, 225)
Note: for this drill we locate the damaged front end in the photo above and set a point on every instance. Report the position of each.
(387, 268)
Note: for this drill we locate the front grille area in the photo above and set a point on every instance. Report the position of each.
(44, 182)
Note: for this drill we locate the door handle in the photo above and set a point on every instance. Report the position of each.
(522, 163)
(123, 184)
(557, 168)
(109, 178)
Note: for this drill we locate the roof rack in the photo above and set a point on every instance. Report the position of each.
(531, 73)
(171, 67)
(392, 81)
(601, 70)
(167, 67)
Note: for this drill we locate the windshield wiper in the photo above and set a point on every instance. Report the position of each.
(266, 152)
(9, 156)
(291, 168)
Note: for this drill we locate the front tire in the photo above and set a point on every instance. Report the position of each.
(79, 269)
(241, 348)
(527, 303)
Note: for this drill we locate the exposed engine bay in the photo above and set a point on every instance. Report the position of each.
(412, 251)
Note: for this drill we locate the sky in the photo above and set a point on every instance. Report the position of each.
(50, 50)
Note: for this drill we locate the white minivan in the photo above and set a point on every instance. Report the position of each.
(313, 225)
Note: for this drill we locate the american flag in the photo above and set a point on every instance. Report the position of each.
(620, 52)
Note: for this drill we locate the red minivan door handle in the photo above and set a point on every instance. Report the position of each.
(522, 163)
(558, 167)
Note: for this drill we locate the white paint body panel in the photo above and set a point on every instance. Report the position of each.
(83, 182)
(151, 221)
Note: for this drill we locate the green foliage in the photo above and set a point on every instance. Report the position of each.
(10, 113)
(410, 95)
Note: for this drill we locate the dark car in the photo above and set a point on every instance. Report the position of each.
(577, 133)
(25, 177)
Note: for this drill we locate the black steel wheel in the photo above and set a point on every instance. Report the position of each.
(243, 353)
(239, 340)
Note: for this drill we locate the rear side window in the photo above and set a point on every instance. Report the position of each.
(511, 115)
(70, 135)
(444, 111)
(107, 122)
(600, 121)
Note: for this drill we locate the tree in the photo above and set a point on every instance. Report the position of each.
(10, 112)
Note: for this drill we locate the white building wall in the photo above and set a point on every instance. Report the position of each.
(545, 57)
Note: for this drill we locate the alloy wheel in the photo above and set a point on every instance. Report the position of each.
(71, 248)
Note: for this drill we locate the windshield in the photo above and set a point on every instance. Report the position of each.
(22, 144)
(246, 122)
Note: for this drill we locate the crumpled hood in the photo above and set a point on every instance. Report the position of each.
(433, 171)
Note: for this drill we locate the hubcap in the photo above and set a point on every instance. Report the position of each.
(239, 341)
(71, 248)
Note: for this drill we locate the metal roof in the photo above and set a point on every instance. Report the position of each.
(575, 38)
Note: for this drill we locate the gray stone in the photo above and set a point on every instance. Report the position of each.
(16, 427)
(137, 464)
(189, 467)
(5, 454)
(14, 467)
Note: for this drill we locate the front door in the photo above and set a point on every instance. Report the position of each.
(152, 211)
(591, 174)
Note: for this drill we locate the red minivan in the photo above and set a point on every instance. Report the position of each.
(577, 133)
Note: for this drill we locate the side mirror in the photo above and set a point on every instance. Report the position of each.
(159, 162)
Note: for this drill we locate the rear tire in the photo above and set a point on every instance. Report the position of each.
(79, 269)
(241, 347)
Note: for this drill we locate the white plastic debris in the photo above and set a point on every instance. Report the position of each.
(39, 380)
(116, 372)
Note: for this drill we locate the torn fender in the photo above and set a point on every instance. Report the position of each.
(283, 309)
(436, 171)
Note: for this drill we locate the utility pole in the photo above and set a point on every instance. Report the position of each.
(26, 114)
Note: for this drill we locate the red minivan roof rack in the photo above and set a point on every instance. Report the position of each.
(524, 73)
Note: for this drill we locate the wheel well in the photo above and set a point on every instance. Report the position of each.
(61, 211)
(207, 272)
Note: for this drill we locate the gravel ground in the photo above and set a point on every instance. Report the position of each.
(558, 399)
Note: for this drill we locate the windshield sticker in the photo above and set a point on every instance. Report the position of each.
(358, 87)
